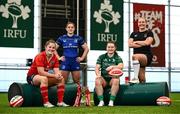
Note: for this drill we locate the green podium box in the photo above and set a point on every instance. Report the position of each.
(32, 95)
(136, 94)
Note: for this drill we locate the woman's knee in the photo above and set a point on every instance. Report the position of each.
(98, 82)
(76, 79)
(135, 57)
(43, 80)
(115, 81)
(76, 76)
(62, 81)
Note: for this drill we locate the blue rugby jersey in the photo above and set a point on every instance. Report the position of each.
(70, 45)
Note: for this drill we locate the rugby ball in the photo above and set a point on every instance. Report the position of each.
(15, 10)
(16, 101)
(163, 101)
(115, 72)
(107, 15)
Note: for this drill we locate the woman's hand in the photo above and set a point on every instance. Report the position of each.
(98, 76)
(58, 76)
(62, 58)
(79, 59)
(109, 68)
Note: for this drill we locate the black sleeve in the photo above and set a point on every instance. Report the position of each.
(132, 35)
(150, 34)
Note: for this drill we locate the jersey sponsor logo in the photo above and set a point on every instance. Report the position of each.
(70, 46)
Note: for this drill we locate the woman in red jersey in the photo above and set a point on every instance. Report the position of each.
(38, 74)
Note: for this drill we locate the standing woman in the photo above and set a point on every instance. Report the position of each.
(70, 60)
(104, 64)
(38, 74)
(141, 42)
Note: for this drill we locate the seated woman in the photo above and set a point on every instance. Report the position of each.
(104, 64)
(38, 74)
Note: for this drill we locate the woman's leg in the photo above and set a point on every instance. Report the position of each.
(76, 76)
(65, 75)
(114, 83)
(60, 89)
(76, 79)
(43, 82)
(99, 84)
(143, 62)
(142, 77)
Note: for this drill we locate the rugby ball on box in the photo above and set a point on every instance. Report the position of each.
(16, 101)
(163, 101)
(115, 72)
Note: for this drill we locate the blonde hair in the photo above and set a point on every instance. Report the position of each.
(49, 41)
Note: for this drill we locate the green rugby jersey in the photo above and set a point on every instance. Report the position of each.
(105, 61)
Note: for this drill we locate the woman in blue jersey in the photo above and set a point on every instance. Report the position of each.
(70, 60)
(141, 42)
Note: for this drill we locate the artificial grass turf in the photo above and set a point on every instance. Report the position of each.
(172, 109)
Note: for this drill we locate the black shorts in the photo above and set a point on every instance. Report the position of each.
(29, 79)
(149, 59)
(107, 79)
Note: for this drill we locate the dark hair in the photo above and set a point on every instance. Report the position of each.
(49, 41)
(112, 42)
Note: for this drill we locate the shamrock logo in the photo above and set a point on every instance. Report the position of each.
(16, 10)
(106, 14)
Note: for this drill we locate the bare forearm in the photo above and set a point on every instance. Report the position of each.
(119, 66)
(97, 71)
(47, 74)
(134, 45)
(146, 42)
(57, 55)
(141, 43)
(86, 50)
(56, 71)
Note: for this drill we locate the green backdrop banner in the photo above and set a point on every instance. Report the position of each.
(17, 23)
(106, 23)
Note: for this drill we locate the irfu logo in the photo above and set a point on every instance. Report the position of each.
(106, 14)
(14, 9)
